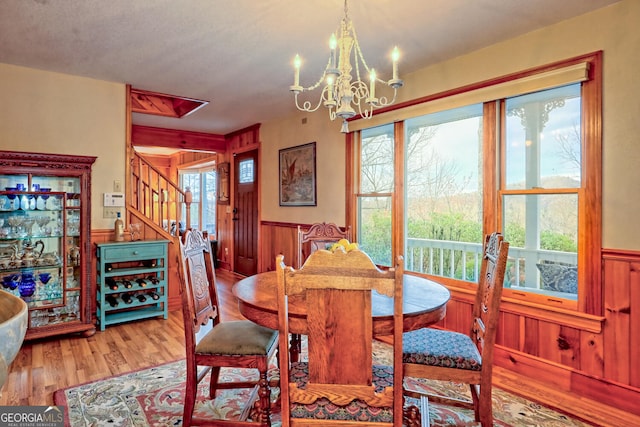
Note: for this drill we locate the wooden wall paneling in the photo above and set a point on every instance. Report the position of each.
(592, 353)
(277, 238)
(531, 340)
(619, 396)
(508, 334)
(616, 329)
(552, 374)
(97, 236)
(568, 345)
(173, 281)
(634, 325)
(548, 334)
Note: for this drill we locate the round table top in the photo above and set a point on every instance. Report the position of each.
(425, 303)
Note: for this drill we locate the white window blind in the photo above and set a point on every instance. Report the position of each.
(505, 89)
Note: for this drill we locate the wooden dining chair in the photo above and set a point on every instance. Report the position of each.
(215, 344)
(339, 384)
(318, 236)
(451, 356)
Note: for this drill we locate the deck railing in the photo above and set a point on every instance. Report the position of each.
(462, 260)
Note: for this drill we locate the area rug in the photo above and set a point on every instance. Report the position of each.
(154, 396)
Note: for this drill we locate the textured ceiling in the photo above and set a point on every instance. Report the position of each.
(238, 54)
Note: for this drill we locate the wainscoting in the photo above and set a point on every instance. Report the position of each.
(591, 356)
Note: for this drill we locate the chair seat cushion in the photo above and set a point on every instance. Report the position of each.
(323, 409)
(239, 337)
(436, 347)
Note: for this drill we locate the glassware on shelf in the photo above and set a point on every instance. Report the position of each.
(42, 221)
(27, 284)
(72, 306)
(44, 277)
(73, 226)
(11, 281)
(16, 223)
(28, 224)
(44, 197)
(27, 202)
(12, 199)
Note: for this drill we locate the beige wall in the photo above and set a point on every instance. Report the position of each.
(330, 168)
(48, 112)
(613, 29)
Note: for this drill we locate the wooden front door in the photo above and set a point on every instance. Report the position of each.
(245, 213)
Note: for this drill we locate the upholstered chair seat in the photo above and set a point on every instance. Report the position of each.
(239, 337)
(324, 409)
(441, 348)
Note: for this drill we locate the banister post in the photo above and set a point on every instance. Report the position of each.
(188, 198)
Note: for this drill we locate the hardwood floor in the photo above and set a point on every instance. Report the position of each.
(45, 366)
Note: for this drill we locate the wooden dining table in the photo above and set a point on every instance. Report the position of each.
(424, 303)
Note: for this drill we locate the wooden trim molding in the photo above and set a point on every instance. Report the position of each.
(179, 139)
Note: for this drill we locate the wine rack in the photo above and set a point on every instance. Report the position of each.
(131, 281)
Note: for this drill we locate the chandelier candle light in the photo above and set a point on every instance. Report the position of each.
(340, 94)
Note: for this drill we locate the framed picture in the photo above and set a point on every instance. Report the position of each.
(298, 175)
(223, 184)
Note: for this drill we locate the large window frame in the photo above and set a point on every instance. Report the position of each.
(589, 299)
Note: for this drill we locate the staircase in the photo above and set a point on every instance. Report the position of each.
(156, 200)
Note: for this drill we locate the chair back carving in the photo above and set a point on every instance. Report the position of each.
(336, 288)
(318, 236)
(487, 301)
(200, 306)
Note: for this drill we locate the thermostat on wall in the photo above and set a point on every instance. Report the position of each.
(113, 199)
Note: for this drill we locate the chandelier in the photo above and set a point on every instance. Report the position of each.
(340, 94)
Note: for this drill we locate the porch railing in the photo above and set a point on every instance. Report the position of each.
(462, 260)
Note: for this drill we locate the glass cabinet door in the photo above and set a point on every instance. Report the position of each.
(40, 245)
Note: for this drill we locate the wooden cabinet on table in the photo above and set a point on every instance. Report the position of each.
(45, 220)
(131, 281)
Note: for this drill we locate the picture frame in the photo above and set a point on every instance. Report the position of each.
(223, 184)
(297, 170)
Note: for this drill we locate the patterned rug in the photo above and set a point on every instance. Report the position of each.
(154, 396)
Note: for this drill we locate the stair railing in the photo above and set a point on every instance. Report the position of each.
(157, 197)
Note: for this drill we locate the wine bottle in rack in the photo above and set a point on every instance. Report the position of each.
(141, 282)
(113, 302)
(153, 279)
(127, 284)
(141, 297)
(154, 295)
(127, 298)
(112, 284)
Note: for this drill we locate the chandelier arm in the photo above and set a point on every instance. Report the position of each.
(383, 100)
(306, 105)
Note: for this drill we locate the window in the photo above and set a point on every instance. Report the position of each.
(443, 197)
(525, 160)
(540, 190)
(376, 188)
(202, 183)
